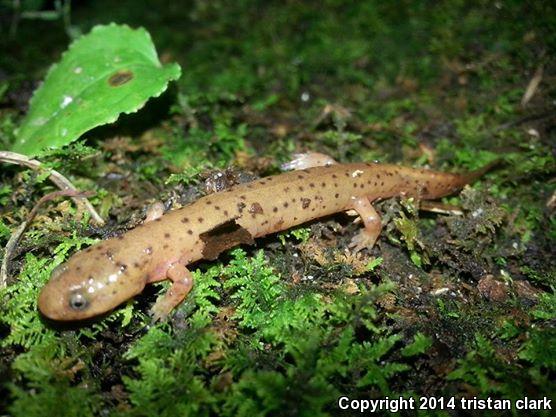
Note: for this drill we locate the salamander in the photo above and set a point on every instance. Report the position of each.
(99, 278)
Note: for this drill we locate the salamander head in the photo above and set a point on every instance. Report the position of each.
(87, 286)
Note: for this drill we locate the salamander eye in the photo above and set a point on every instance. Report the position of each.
(77, 301)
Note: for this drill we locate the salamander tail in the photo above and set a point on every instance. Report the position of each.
(472, 176)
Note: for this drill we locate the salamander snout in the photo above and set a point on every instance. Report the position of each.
(60, 300)
(83, 288)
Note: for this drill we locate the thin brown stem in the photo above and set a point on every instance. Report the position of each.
(16, 235)
(58, 179)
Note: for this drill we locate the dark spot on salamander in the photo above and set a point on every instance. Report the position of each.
(305, 202)
(300, 177)
(158, 220)
(285, 204)
(120, 78)
(256, 209)
(225, 212)
(334, 176)
(336, 195)
(323, 184)
(167, 235)
(208, 202)
(312, 185)
(200, 219)
(121, 237)
(136, 264)
(185, 220)
(287, 189)
(190, 232)
(240, 207)
(300, 188)
(165, 246)
(217, 208)
(222, 237)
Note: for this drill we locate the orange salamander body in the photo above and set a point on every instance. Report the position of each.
(101, 277)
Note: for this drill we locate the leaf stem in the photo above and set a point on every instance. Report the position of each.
(58, 179)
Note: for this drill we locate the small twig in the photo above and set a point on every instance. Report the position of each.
(61, 182)
(16, 235)
(532, 86)
(441, 208)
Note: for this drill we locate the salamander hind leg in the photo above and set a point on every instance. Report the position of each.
(308, 160)
(366, 237)
(182, 282)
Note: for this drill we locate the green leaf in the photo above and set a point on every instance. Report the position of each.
(114, 69)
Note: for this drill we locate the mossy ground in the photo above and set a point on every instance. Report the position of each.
(444, 305)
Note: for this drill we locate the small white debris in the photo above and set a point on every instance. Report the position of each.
(477, 213)
(78, 70)
(91, 290)
(533, 132)
(440, 291)
(356, 173)
(305, 96)
(64, 131)
(65, 101)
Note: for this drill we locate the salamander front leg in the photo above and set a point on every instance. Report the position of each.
(182, 282)
(371, 220)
